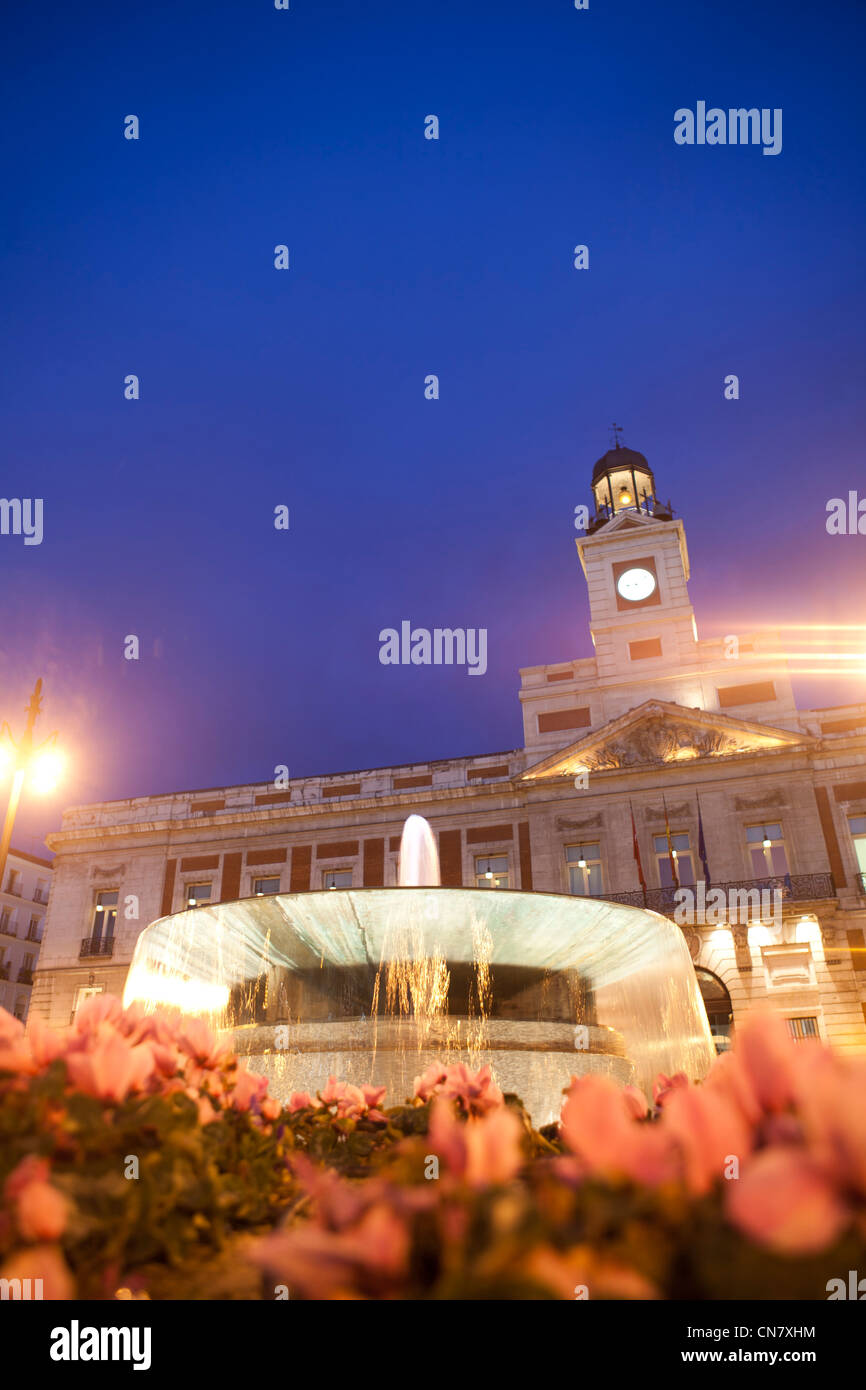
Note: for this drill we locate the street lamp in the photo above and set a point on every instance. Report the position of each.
(41, 761)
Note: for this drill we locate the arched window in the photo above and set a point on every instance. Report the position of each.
(717, 1003)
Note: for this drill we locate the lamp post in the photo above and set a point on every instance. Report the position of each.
(25, 756)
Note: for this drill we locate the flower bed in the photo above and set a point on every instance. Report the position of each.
(136, 1155)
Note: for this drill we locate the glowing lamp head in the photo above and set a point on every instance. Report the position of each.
(488, 874)
(624, 498)
(46, 770)
(766, 842)
(581, 863)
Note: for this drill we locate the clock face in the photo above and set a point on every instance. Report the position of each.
(636, 584)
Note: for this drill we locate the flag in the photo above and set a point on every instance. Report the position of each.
(702, 847)
(673, 862)
(636, 852)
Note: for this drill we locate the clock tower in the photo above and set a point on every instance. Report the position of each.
(636, 565)
(643, 629)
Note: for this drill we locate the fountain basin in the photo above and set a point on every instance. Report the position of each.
(372, 984)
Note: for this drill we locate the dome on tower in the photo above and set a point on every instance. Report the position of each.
(622, 480)
(617, 459)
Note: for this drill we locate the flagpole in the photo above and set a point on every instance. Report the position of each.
(636, 853)
(702, 844)
(672, 861)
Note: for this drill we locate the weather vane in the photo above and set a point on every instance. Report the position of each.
(616, 431)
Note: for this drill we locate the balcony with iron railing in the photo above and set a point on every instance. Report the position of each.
(794, 888)
(25, 976)
(90, 946)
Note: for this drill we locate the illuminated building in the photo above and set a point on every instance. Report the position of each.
(631, 744)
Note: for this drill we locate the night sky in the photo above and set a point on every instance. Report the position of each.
(408, 257)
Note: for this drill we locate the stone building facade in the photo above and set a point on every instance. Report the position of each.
(628, 754)
(24, 896)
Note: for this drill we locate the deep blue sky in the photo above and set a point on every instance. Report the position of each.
(408, 257)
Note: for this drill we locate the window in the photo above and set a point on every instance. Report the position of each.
(717, 1003)
(766, 850)
(584, 870)
(7, 921)
(801, 1028)
(104, 917)
(857, 826)
(491, 871)
(86, 992)
(40, 893)
(20, 1005)
(198, 893)
(13, 882)
(337, 878)
(33, 929)
(682, 858)
(261, 886)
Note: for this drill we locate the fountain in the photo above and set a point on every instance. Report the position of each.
(372, 984)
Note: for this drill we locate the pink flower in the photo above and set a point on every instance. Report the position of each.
(636, 1102)
(601, 1277)
(599, 1126)
(373, 1096)
(353, 1102)
(41, 1212)
(249, 1089)
(98, 1009)
(166, 1058)
(784, 1200)
(663, 1086)
(368, 1259)
(46, 1044)
(43, 1262)
(200, 1043)
(709, 1130)
(334, 1092)
(768, 1059)
(483, 1151)
(300, 1100)
(11, 1028)
(111, 1068)
(30, 1169)
(206, 1112)
(15, 1051)
(476, 1092)
(832, 1111)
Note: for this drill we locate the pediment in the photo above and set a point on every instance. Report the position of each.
(658, 732)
